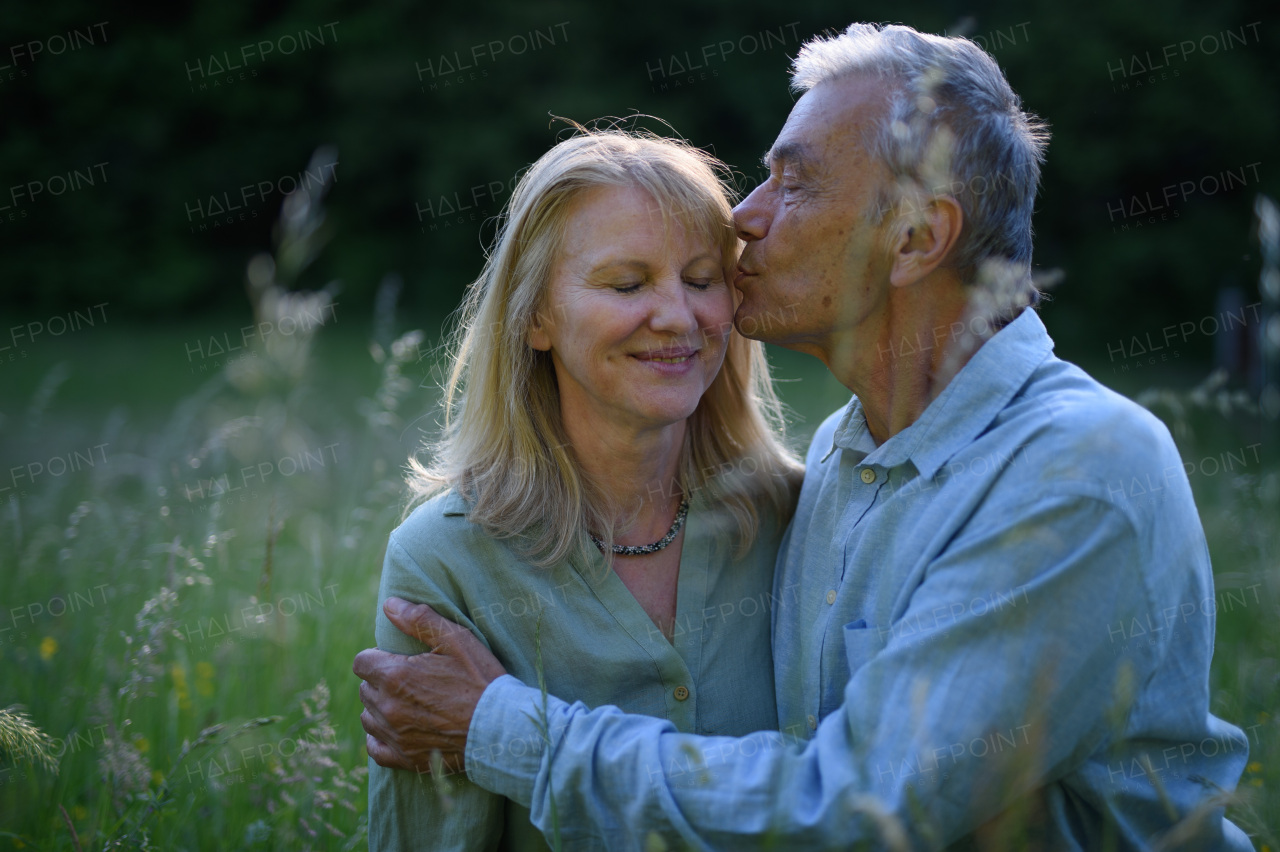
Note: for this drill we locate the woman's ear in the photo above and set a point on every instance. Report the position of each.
(537, 335)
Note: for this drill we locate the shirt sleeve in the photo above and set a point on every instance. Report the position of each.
(408, 810)
(941, 728)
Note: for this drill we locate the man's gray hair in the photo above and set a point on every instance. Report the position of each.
(953, 127)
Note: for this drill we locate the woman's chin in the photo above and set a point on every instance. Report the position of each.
(666, 414)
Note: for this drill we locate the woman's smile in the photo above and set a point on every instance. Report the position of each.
(672, 361)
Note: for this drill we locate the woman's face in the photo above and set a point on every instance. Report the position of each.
(636, 316)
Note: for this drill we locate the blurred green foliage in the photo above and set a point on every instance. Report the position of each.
(411, 137)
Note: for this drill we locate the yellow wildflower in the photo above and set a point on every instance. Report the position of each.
(204, 679)
(180, 686)
(48, 647)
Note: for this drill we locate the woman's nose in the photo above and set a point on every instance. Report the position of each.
(672, 311)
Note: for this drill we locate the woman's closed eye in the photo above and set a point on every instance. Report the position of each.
(699, 284)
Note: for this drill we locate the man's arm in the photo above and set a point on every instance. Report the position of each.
(940, 731)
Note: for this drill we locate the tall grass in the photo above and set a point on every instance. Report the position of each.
(180, 616)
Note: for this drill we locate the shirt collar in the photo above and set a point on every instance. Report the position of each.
(454, 503)
(967, 406)
(852, 434)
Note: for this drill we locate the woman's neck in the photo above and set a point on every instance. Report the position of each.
(637, 470)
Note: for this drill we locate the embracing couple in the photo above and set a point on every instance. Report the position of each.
(651, 628)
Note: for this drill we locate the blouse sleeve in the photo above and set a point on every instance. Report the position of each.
(408, 810)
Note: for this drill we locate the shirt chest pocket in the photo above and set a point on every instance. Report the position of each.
(861, 643)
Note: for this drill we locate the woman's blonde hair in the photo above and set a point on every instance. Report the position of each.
(503, 446)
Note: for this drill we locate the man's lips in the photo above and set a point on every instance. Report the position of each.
(742, 273)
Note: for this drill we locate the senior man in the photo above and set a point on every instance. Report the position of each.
(990, 635)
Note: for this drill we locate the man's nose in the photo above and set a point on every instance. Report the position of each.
(750, 217)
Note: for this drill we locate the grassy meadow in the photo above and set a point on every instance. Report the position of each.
(190, 542)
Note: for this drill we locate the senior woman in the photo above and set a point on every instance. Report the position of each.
(607, 500)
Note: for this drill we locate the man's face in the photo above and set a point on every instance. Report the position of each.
(814, 264)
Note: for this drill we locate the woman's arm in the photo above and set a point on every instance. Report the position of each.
(408, 810)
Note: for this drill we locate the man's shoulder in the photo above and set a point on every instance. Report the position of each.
(1081, 411)
(1077, 430)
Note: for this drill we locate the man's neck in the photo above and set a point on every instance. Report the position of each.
(905, 354)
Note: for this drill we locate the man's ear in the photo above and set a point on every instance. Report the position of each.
(923, 243)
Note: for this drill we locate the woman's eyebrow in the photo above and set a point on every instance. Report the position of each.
(612, 263)
(714, 258)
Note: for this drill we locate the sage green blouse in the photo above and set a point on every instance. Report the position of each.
(598, 645)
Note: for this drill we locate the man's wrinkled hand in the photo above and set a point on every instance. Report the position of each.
(421, 705)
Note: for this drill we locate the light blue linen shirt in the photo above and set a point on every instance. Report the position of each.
(1001, 638)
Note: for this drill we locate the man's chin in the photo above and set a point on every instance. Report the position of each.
(758, 324)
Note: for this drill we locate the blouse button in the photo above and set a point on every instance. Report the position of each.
(681, 693)
(868, 475)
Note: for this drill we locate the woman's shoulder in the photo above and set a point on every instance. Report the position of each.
(728, 523)
(427, 562)
(442, 514)
(438, 528)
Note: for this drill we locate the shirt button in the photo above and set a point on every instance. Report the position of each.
(868, 475)
(831, 596)
(681, 693)
(813, 722)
